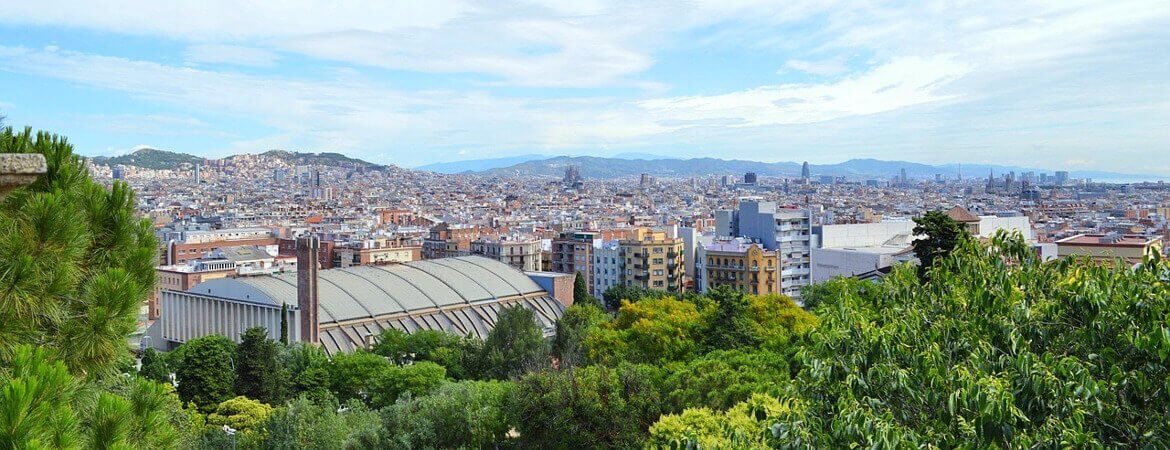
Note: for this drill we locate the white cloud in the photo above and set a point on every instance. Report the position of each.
(230, 54)
(825, 67)
(898, 84)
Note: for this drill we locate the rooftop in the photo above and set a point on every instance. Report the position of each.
(1109, 240)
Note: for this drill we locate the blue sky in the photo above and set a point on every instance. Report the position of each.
(1064, 85)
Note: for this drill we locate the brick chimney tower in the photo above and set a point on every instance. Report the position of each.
(307, 299)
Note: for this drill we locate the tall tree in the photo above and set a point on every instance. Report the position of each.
(581, 290)
(572, 328)
(259, 374)
(154, 366)
(284, 323)
(76, 262)
(205, 371)
(730, 327)
(515, 345)
(941, 234)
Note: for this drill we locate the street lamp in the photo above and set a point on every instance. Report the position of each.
(231, 432)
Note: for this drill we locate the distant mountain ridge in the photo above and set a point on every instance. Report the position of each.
(151, 158)
(474, 165)
(868, 168)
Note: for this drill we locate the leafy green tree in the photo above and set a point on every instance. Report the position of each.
(307, 367)
(998, 349)
(306, 424)
(205, 371)
(574, 325)
(782, 325)
(352, 375)
(722, 378)
(590, 407)
(516, 345)
(941, 235)
(747, 425)
(458, 354)
(259, 374)
(581, 290)
(154, 366)
(241, 413)
(465, 414)
(730, 326)
(75, 261)
(618, 293)
(412, 380)
(651, 331)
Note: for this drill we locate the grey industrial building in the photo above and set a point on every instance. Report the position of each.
(353, 305)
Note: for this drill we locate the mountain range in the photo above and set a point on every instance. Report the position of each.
(628, 165)
(150, 158)
(600, 167)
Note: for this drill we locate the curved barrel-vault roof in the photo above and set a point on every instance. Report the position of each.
(461, 295)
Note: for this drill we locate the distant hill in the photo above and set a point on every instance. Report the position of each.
(473, 165)
(320, 159)
(150, 158)
(598, 167)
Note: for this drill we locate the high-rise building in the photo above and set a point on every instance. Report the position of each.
(789, 231)
(1061, 178)
(572, 252)
(607, 267)
(750, 178)
(198, 179)
(646, 180)
(805, 172)
(904, 179)
(117, 175)
(652, 261)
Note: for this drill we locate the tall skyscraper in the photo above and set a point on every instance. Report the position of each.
(198, 179)
(805, 172)
(1061, 178)
(750, 178)
(905, 180)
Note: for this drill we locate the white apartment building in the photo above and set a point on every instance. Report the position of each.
(607, 266)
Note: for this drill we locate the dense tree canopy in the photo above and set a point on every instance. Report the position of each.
(997, 349)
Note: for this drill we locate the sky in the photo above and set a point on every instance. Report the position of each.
(1069, 84)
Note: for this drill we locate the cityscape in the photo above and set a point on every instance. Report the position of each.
(584, 226)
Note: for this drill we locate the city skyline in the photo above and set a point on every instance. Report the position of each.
(1068, 86)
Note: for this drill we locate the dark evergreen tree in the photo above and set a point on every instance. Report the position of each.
(515, 345)
(284, 323)
(581, 290)
(154, 366)
(730, 327)
(205, 371)
(942, 235)
(259, 374)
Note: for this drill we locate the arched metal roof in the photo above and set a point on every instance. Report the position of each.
(360, 292)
